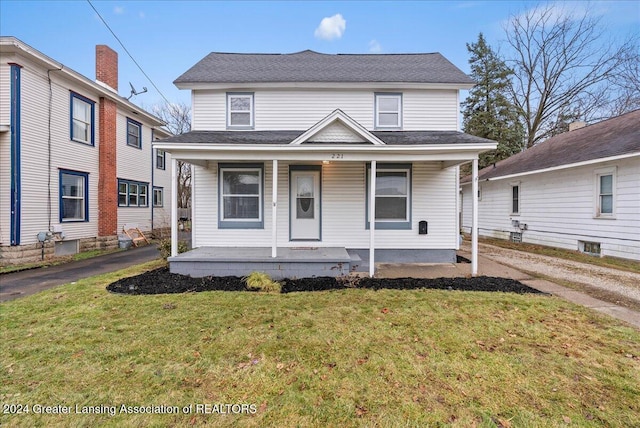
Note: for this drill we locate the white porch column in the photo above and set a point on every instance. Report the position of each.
(174, 207)
(474, 219)
(274, 210)
(372, 219)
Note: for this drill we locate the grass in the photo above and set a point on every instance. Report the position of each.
(577, 256)
(342, 358)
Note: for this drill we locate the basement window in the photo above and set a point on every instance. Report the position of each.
(515, 236)
(591, 248)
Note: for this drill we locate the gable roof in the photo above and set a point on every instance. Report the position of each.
(337, 116)
(310, 66)
(612, 137)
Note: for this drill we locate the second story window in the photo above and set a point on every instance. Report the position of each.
(160, 158)
(240, 110)
(82, 119)
(388, 111)
(134, 133)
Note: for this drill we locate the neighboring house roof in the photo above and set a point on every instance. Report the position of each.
(396, 138)
(613, 137)
(310, 66)
(10, 44)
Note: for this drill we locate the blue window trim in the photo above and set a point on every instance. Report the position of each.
(128, 182)
(139, 125)
(84, 175)
(154, 196)
(377, 127)
(305, 168)
(232, 224)
(15, 155)
(251, 111)
(164, 159)
(92, 139)
(390, 225)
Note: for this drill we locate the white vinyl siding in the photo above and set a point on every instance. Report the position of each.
(559, 209)
(65, 154)
(433, 109)
(343, 209)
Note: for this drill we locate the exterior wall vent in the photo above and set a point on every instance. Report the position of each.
(515, 236)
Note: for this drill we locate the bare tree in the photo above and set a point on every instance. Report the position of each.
(563, 67)
(177, 116)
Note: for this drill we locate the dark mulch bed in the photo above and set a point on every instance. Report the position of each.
(161, 281)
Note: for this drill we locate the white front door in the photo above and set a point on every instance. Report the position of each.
(305, 205)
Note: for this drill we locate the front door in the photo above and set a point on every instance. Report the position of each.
(305, 205)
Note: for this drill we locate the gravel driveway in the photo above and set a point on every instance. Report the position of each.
(624, 283)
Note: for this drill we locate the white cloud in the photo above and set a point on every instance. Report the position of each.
(374, 46)
(331, 28)
(118, 10)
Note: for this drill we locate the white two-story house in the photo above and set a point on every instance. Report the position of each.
(76, 160)
(312, 164)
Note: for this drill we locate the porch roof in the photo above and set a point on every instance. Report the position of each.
(285, 137)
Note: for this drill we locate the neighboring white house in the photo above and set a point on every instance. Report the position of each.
(76, 161)
(284, 147)
(579, 190)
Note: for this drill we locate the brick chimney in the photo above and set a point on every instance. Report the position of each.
(107, 66)
(107, 73)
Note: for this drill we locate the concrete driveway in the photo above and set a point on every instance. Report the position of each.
(25, 283)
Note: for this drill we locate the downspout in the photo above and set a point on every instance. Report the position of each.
(49, 147)
(16, 177)
(152, 182)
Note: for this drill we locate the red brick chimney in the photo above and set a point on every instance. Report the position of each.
(107, 66)
(107, 72)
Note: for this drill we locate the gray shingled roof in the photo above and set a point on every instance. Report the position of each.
(310, 66)
(612, 137)
(285, 137)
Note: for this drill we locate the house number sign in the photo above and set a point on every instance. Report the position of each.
(337, 156)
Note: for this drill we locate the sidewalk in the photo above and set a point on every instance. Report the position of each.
(27, 282)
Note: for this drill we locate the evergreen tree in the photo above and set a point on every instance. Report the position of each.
(487, 112)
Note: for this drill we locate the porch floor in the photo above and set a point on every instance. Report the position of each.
(294, 262)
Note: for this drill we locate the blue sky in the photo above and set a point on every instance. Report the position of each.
(167, 37)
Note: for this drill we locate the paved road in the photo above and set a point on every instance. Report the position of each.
(20, 284)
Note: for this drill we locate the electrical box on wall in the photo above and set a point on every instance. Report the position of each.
(422, 227)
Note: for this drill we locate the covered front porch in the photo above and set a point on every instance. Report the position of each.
(299, 203)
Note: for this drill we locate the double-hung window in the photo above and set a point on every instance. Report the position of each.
(388, 113)
(132, 193)
(82, 119)
(74, 196)
(241, 196)
(134, 133)
(240, 110)
(393, 196)
(605, 192)
(515, 199)
(158, 196)
(160, 159)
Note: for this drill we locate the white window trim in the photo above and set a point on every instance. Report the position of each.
(396, 96)
(613, 172)
(248, 95)
(159, 191)
(511, 186)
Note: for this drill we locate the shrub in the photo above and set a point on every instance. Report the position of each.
(262, 282)
(164, 246)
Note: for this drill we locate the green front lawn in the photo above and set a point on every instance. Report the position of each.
(340, 358)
